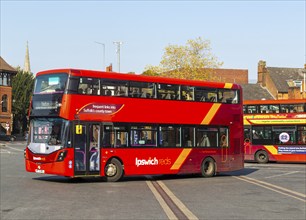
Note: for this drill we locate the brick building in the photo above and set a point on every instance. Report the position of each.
(239, 76)
(6, 74)
(282, 82)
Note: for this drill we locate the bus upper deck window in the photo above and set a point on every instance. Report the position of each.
(50, 83)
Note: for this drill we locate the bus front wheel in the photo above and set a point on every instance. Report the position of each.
(208, 167)
(113, 170)
(261, 157)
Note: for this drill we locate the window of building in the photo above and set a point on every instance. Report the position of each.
(4, 79)
(4, 103)
(298, 83)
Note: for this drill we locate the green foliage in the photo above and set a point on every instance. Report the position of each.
(191, 61)
(22, 86)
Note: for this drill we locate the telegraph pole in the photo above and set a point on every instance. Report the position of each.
(118, 43)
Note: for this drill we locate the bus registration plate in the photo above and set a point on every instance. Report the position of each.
(39, 171)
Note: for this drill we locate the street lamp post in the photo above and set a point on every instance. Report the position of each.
(118, 43)
(103, 53)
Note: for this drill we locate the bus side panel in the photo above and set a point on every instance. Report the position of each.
(277, 154)
(294, 153)
(168, 161)
(147, 161)
(251, 150)
(148, 110)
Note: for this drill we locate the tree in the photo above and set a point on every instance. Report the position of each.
(192, 61)
(22, 86)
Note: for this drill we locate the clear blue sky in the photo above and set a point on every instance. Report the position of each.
(63, 33)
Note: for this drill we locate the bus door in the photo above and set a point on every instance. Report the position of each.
(86, 139)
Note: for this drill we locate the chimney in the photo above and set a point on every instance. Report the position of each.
(261, 70)
(109, 68)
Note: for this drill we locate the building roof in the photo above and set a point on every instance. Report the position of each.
(255, 92)
(281, 76)
(5, 67)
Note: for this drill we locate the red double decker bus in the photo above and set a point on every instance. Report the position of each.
(90, 123)
(275, 130)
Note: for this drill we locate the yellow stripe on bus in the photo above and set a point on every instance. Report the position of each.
(271, 149)
(228, 85)
(181, 158)
(211, 113)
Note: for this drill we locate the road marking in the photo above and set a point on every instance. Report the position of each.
(172, 206)
(278, 189)
(14, 148)
(178, 202)
(161, 201)
(283, 174)
(4, 151)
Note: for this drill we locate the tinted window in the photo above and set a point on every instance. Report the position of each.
(142, 90)
(168, 91)
(114, 87)
(89, 86)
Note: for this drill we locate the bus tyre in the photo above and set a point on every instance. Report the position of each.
(262, 157)
(208, 167)
(113, 170)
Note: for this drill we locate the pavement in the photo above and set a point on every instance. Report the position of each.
(19, 138)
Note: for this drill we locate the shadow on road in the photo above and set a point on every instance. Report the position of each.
(78, 180)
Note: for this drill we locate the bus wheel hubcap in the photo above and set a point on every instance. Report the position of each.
(111, 170)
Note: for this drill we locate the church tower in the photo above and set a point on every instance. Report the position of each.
(27, 67)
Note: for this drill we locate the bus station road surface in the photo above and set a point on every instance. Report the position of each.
(259, 191)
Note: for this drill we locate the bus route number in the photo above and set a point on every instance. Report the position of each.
(78, 129)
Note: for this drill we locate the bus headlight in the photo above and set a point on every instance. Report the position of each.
(61, 156)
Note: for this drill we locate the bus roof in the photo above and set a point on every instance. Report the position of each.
(279, 101)
(139, 77)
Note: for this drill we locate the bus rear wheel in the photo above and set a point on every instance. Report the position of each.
(208, 167)
(113, 170)
(261, 156)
